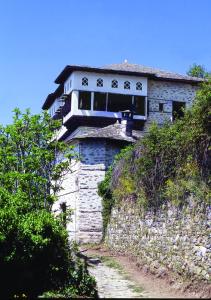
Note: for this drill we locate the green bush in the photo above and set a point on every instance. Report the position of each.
(35, 256)
(168, 164)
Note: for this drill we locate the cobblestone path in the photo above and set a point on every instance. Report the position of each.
(111, 283)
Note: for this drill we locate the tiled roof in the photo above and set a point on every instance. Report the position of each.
(111, 132)
(125, 66)
(129, 69)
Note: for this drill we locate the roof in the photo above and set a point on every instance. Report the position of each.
(51, 97)
(123, 68)
(111, 132)
(129, 69)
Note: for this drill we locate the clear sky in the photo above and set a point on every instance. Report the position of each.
(38, 38)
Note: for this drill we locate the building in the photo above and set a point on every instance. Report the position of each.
(89, 101)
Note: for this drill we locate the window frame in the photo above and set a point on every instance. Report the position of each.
(114, 82)
(85, 81)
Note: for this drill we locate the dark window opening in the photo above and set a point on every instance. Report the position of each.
(100, 101)
(161, 107)
(84, 101)
(139, 104)
(67, 106)
(117, 102)
(178, 110)
(63, 207)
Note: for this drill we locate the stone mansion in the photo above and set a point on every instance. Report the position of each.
(103, 110)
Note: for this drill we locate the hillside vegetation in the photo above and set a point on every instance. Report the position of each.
(170, 164)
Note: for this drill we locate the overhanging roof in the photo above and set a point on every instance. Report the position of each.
(128, 69)
(123, 68)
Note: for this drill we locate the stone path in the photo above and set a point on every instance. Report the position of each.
(111, 283)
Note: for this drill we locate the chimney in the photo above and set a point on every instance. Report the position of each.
(127, 122)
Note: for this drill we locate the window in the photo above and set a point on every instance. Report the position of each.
(127, 85)
(67, 106)
(117, 102)
(114, 83)
(100, 82)
(138, 86)
(178, 109)
(100, 101)
(161, 107)
(84, 100)
(139, 104)
(84, 81)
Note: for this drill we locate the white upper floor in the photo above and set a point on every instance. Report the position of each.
(110, 83)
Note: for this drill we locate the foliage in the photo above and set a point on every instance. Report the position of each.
(35, 255)
(105, 188)
(28, 158)
(170, 163)
(198, 71)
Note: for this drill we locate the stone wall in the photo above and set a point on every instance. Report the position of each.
(170, 240)
(165, 92)
(80, 189)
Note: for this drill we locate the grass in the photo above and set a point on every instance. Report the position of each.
(112, 263)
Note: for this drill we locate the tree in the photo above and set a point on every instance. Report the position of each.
(35, 255)
(29, 158)
(197, 71)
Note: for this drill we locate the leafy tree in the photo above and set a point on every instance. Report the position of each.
(28, 158)
(35, 255)
(197, 71)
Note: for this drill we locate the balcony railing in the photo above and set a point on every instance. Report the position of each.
(55, 109)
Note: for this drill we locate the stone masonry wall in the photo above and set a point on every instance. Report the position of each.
(165, 92)
(69, 194)
(173, 239)
(80, 186)
(96, 156)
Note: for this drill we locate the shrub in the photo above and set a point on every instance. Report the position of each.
(169, 163)
(35, 256)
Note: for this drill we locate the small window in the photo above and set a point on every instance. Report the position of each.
(161, 107)
(178, 109)
(100, 101)
(100, 82)
(84, 101)
(85, 81)
(127, 85)
(138, 86)
(139, 103)
(114, 83)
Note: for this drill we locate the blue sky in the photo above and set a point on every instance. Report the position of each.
(38, 38)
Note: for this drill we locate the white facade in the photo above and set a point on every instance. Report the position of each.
(126, 85)
(74, 82)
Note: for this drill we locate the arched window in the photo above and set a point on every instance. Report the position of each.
(84, 81)
(100, 82)
(127, 85)
(138, 86)
(114, 83)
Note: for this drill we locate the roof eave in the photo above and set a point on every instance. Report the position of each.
(69, 69)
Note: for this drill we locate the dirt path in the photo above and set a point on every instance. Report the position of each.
(118, 277)
(111, 283)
